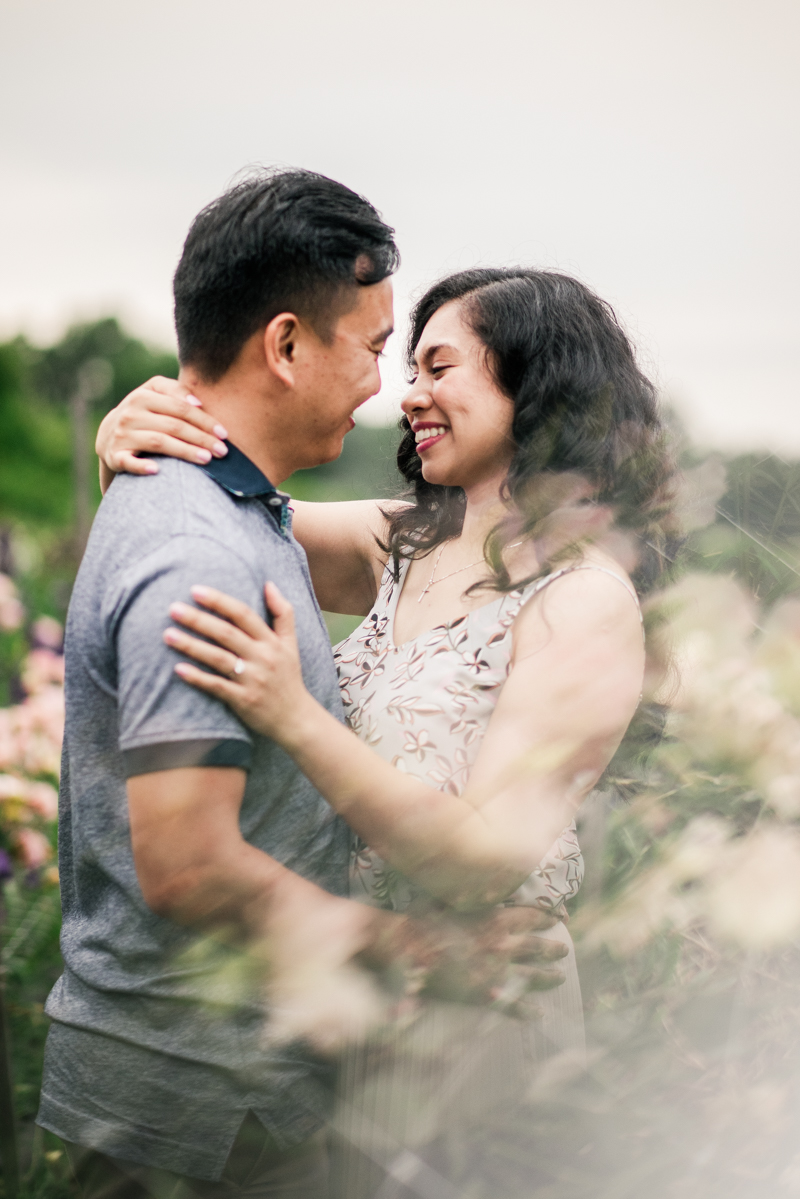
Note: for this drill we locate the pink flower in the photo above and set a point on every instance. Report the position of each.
(31, 733)
(12, 612)
(47, 633)
(42, 668)
(43, 799)
(12, 615)
(12, 787)
(34, 848)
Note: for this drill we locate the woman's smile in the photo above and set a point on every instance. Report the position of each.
(427, 434)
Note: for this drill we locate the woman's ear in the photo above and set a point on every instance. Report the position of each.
(280, 338)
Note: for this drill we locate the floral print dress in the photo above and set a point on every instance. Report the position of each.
(425, 706)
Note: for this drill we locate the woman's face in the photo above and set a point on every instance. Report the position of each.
(460, 417)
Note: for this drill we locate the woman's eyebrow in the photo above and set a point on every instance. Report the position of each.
(430, 353)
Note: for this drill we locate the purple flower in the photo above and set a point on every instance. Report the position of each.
(6, 869)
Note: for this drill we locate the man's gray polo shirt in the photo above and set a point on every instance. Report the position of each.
(156, 1052)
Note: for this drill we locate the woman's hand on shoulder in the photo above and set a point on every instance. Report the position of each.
(160, 417)
(257, 668)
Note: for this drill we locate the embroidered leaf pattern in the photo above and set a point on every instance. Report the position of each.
(425, 708)
(404, 710)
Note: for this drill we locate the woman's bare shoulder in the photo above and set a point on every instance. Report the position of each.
(590, 597)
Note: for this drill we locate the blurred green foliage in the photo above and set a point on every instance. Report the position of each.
(756, 533)
(35, 437)
(32, 962)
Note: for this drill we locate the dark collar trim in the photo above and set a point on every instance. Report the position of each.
(241, 477)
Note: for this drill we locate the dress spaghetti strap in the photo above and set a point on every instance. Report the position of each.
(540, 584)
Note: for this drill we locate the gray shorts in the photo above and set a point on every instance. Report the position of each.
(255, 1168)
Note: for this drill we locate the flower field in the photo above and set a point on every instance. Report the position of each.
(30, 749)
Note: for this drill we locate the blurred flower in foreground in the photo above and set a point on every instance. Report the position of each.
(30, 748)
(12, 612)
(713, 823)
(47, 633)
(33, 847)
(31, 733)
(754, 898)
(35, 798)
(42, 668)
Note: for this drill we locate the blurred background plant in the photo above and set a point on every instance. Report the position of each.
(31, 732)
(688, 923)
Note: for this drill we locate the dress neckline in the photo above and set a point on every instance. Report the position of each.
(518, 593)
(447, 624)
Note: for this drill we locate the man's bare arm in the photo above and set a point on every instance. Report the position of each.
(194, 867)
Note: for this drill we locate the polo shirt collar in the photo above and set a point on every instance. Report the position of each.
(242, 478)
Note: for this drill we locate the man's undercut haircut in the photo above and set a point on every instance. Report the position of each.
(280, 241)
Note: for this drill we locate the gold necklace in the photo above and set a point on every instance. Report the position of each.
(432, 581)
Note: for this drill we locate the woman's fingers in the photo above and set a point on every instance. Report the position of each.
(172, 424)
(129, 464)
(222, 660)
(222, 632)
(168, 387)
(187, 419)
(212, 684)
(530, 948)
(160, 417)
(235, 611)
(151, 441)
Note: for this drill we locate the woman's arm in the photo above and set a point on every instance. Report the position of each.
(162, 417)
(341, 543)
(576, 677)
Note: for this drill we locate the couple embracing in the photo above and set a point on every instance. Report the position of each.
(267, 850)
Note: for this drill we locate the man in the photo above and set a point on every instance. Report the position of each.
(196, 861)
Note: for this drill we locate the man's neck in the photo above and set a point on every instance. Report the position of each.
(245, 416)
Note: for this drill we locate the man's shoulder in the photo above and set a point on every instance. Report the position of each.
(146, 518)
(180, 500)
(177, 484)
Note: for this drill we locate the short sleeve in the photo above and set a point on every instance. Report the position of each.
(164, 723)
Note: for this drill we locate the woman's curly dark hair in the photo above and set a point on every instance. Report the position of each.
(582, 407)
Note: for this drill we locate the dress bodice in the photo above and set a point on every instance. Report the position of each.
(425, 706)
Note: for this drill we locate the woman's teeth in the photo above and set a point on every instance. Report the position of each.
(427, 434)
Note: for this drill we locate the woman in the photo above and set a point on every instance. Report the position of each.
(498, 666)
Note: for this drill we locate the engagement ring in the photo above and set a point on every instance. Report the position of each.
(238, 666)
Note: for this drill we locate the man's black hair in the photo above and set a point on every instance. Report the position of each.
(280, 241)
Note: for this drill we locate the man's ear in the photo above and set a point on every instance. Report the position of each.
(280, 346)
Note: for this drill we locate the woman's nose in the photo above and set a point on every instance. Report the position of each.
(416, 400)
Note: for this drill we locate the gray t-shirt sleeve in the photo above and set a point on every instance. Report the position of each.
(165, 723)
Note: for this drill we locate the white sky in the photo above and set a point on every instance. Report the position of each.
(647, 146)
